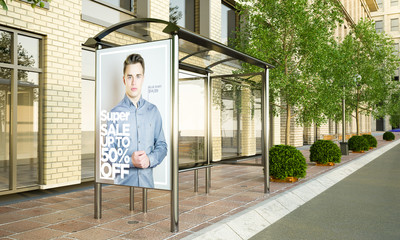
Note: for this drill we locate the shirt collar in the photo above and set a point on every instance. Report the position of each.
(129, 102)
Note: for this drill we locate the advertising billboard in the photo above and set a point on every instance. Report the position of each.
(133, 114)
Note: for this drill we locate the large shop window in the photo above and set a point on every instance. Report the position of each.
(88, 114)
(20, 64)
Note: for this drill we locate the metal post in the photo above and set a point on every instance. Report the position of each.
(97, 200)
(144, 198)
(265, 129)
(196, 180)
(174, 135)
(207, 133)
(131, 198)
(344, 147)
(97, 186)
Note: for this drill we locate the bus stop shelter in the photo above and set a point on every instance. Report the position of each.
(201, 56)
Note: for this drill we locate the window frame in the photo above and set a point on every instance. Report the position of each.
(15, 68)
(396, 26)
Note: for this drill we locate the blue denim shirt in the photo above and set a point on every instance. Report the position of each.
(146, 134)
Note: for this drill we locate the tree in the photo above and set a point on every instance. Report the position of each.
(33, 3)
(366, 65)
(295, 37)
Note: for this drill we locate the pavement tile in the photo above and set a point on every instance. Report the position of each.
(39, 234)
(94, 234)
(148, 234)
(6, 209)
(22, 226)
(124, 225)
(71, 226)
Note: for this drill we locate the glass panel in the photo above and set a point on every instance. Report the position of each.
(257, 118)
(87, 127)
(394, 23)
(230, 119)
(125, 4)
(182, 12)
(28, 51)
(379, 26)
(5, 90)
(88, 63)
(394, 3)
(27, 129)
(101, 14)
(228, 23)
(191, 122)
(5, 47)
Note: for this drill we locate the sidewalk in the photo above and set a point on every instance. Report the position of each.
(234, 190)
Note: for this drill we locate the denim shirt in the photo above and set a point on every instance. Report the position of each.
(146, 134)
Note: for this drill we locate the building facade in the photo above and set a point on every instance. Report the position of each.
(47, 88)
(387, 20)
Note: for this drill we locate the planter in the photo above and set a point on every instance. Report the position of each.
(326, 164)
(286, 180)
(362, 151)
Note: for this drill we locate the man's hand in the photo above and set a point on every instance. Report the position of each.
(140, 159)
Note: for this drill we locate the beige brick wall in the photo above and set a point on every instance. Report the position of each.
(247, 137)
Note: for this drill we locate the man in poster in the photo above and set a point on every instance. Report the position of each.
(147, 147)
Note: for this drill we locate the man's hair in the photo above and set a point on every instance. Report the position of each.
(132, 59)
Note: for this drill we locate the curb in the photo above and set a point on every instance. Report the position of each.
(253, 220)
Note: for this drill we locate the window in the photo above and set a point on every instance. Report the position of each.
(228, 22)
(394, 3)
(108, 12)
(380, 4)
(394, 24)
(379, 26)
(182, 12)
(20, 65)
(88, 114)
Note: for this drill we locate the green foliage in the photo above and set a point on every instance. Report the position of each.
(324, 151)
(33, 3)
(395, 121)
(362, 71)
(358, 143)
(286, 161)
(371, 140)
(293, 36)
(388, 136)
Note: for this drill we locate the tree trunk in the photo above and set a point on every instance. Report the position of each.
(287, 136)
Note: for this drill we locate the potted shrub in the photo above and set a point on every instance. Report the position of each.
(325, 152)
(388, 136)
(371, 140)
(286, 162)
(358, 144)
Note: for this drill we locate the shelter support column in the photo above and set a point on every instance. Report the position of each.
(175, 135)
(265, 129)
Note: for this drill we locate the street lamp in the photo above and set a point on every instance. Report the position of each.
(344, 146)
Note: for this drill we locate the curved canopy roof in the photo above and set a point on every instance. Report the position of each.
(191, 44)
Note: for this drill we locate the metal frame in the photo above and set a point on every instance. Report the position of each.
(176, 33)
(14, 67)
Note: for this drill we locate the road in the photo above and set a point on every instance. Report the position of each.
(365, 205)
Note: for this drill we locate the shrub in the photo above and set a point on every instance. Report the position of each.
(324, 151)
(388, 136)
(286, 161)
(371, 140)
(358, 143)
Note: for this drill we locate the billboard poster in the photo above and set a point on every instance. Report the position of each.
(133, 114)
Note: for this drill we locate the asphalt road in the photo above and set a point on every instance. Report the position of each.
(365, 205)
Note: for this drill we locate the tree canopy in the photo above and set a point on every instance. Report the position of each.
(34, 3)
(295, 36)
